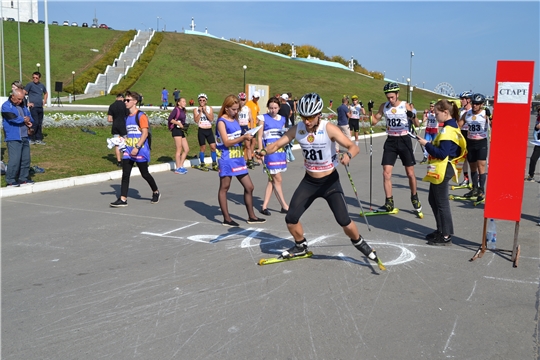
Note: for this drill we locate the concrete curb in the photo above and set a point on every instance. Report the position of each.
(106, 176)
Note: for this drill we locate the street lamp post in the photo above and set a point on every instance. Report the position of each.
(124, 68)
(244, 67)
(38, 65)
(410, 77)
(73, 74)
(157, 29)
(408, 90)
(105, 83)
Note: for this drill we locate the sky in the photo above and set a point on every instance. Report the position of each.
(456, 43)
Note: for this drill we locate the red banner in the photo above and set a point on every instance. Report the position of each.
(509, 135)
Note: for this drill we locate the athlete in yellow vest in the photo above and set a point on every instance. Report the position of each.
(446, 155)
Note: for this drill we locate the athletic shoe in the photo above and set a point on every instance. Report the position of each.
(283, 211)
(13, 184)
(388, 206)
(181, 171)
(265, 212)
(432, 235)
(298, 249)
(155, 197)
(215, 166)
(231, 223)
(473, 193)
(440, 240)
(416, 203)
(364, 248)
(256, 221)
(119, 203)
(37, 169)
(424, 161)
(530, 178)
(27, 182)
(40, 142)
(32, 142)
(465, 182)
(249, 164)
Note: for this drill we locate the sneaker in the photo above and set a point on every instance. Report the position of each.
(440, 240)
(465, 182)
(416, 203)
(119, 203)
(432, 235)
(424, 161)
(283, 211)
(38, 170)
(32, 142)
(530, 178)
(298, 249)
(265, 212)
(181, 171)
(27, 182)
(256, 221)
(41, 142)
(249, 164)
(13, 184)
(231, 223)
(155, 198)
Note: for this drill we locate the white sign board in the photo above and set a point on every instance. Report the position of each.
(513, 92)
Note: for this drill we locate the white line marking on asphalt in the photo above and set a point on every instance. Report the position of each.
(450, 337)
(472, 292)
(512, 280)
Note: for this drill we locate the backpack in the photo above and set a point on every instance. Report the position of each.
(149, 138)
(176, 116)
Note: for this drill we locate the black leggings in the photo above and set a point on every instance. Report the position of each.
(534, 158)
(311, 188)
(127, 165)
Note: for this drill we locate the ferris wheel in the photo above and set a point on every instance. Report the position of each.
(445, 88)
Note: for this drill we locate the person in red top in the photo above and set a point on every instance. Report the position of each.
(432, 128)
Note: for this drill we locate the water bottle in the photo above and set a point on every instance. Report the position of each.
(491, 235)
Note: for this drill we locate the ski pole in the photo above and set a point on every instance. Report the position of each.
(271, 179)
(370, 109)
(365, 138)
(357, 199)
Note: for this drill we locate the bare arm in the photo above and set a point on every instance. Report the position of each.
(281, 142)
(378, 116)
(225, 137)
(461, 121)
(109, 118)
(337, 135)
(196, 115)
(260, 132)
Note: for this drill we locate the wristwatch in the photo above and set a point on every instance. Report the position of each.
(349, 155)
(138, 147)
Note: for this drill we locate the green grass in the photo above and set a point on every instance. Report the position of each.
(69, 50)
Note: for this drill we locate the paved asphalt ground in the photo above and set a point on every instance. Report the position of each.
(81, 280)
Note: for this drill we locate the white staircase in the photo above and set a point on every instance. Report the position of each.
(121, 65)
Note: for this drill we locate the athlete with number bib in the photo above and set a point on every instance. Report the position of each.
(399, 118)
(477, 145)
(465, 99)
(317, 139)
(354, 120)
(432, 128)
(203, 116)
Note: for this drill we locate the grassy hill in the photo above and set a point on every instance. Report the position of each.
(191, 63)
(70, 50)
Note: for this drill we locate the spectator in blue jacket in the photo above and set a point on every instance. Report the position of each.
(17, 122)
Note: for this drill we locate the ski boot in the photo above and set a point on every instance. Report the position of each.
(424, 161)
(365, 249)
(388, 205)
(250, 165)
(215, 166)
(200, 166)
(480, 198)
(299, 249)
(472, 194)
(255, 162)
(417, 205)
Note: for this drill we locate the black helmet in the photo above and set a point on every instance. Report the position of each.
(478, 99)
(310, 104)
(391, 87)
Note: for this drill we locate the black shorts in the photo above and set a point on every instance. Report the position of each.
(398, 145)
(310, 188)
(464, 133)
(477, 150)
(354, 125)
(206, 135)
(178, 132)
(244, 128)
(119, 130)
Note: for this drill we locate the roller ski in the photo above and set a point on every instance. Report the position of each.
(387, 209)
(368, 252)
(462, 198)
(465, 184)
(214, 166)
(201, 166)
(297, 252)
(481, 198)
(417, 206)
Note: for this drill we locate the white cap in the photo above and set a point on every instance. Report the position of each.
(256, 94)
(285, 97)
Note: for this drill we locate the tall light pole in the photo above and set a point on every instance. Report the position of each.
(124, 68)
(410, 77)
(408, 90)
(38, 65)
(157, 29)
(73, 74)
(244, 67)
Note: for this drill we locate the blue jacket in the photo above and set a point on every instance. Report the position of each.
(12, 121)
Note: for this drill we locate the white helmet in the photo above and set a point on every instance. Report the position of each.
(202, 95)
(310, 104)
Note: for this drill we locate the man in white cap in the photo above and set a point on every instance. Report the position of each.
(285, 109)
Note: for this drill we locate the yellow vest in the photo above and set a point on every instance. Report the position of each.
(436, 169)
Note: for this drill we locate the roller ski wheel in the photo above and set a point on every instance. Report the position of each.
(457, 187)
(281, 259)
(419, 214)
(462, 198)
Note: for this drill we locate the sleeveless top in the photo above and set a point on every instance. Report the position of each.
(273, 130)
(355, 111)
(397, 123)
(478, 125)
(431, 121)
(243, 115)
(318, 149)
(465, 126)
(133, 135)
(231, 159)
(204, 123)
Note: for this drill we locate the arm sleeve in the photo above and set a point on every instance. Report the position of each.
(445, 148)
